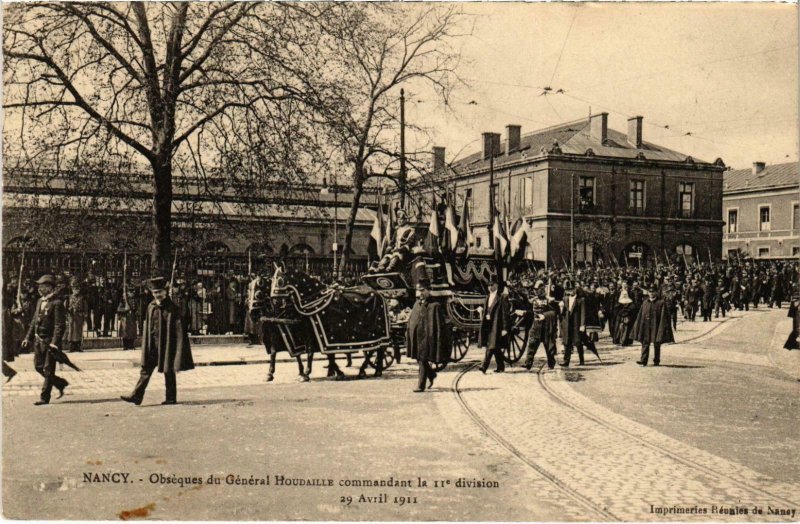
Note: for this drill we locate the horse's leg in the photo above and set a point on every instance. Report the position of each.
(333, 368)
(302, 374)
(362, 371)
(349, 359)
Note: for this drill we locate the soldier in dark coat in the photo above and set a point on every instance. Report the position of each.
(571, 324)
(165, 345)
(706, 300)
(652, 326)
(427, 337)
(77, 309)
(495, 326)
(544, 329)
(46, 333)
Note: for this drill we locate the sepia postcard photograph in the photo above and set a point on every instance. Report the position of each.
(400, 261)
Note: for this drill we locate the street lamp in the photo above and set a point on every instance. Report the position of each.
(326, 191)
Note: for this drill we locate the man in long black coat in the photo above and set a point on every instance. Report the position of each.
(46, 333)
(165, 344)
(427, 337)
(495, 326)
(652, 326)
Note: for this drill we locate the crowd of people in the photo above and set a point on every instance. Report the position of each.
(641, 305)
(104, 307)
(633, 304)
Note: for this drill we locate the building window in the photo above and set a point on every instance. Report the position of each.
(637, 197)
(527, 192)
(733, 220)
(795, 215)
(586, 192)
(584, 252)
(795, 251)
(763, 252)
(684, 249)
(478, 241)
(686, 195)
(468, 200)
(763, 218)
(733, 254)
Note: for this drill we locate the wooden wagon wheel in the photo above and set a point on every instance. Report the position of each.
(388, 358)
(461, 343)
(518, 338)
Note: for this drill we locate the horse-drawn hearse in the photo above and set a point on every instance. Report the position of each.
(304, 316)
(462, 288)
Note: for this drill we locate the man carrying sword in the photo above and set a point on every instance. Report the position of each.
(46, 333)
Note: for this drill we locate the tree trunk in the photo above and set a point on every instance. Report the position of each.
(160, 260)
(358, 188)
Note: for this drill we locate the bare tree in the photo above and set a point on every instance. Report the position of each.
(371, 51)
(165, 85)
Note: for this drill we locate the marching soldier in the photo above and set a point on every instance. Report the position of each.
(165, 345)
(46, 333)
(544, 329)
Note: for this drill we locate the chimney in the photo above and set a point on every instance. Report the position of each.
(438, 160)
(635, 132)
(487, 145)
(598, 127)
(758, 167)
(513, 136)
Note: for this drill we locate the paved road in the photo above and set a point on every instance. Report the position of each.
(598, 442)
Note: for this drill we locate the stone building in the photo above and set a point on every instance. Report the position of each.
(628, 199)
(59, 224)
(762, 212)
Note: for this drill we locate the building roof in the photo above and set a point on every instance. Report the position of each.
(281, 213)
(574, 138)
(774, 176)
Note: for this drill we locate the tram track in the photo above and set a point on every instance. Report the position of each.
(548, 476)
(660, 449)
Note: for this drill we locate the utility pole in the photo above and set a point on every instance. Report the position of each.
(572, 222)
(402, 150)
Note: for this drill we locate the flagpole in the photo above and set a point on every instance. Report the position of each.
(490, 226)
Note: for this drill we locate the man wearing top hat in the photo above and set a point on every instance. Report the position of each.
(165, 344)
(495, 325)
(427, 335)
(652, 326)
(46, 332)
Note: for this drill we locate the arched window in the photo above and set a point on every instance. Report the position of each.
(217, 247)
(301, 249)
(23, 241)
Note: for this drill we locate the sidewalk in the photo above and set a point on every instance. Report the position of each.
(203, 355)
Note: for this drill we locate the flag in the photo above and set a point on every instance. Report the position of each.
(519, 240)
(500, 239)
(376, 242)
(388, 236)
(450, 230)
(465, 230)
(434, 235)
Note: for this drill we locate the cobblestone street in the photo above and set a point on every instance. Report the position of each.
(604, 441)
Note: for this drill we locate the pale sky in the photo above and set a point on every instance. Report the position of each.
(726, 73)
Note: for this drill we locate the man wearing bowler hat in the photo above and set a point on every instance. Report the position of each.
(165, 344)
(46, 333)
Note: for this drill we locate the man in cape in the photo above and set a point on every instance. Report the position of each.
(427, 338)
(165, 344)
(652, 326)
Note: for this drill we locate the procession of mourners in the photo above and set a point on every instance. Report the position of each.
(428, 296)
